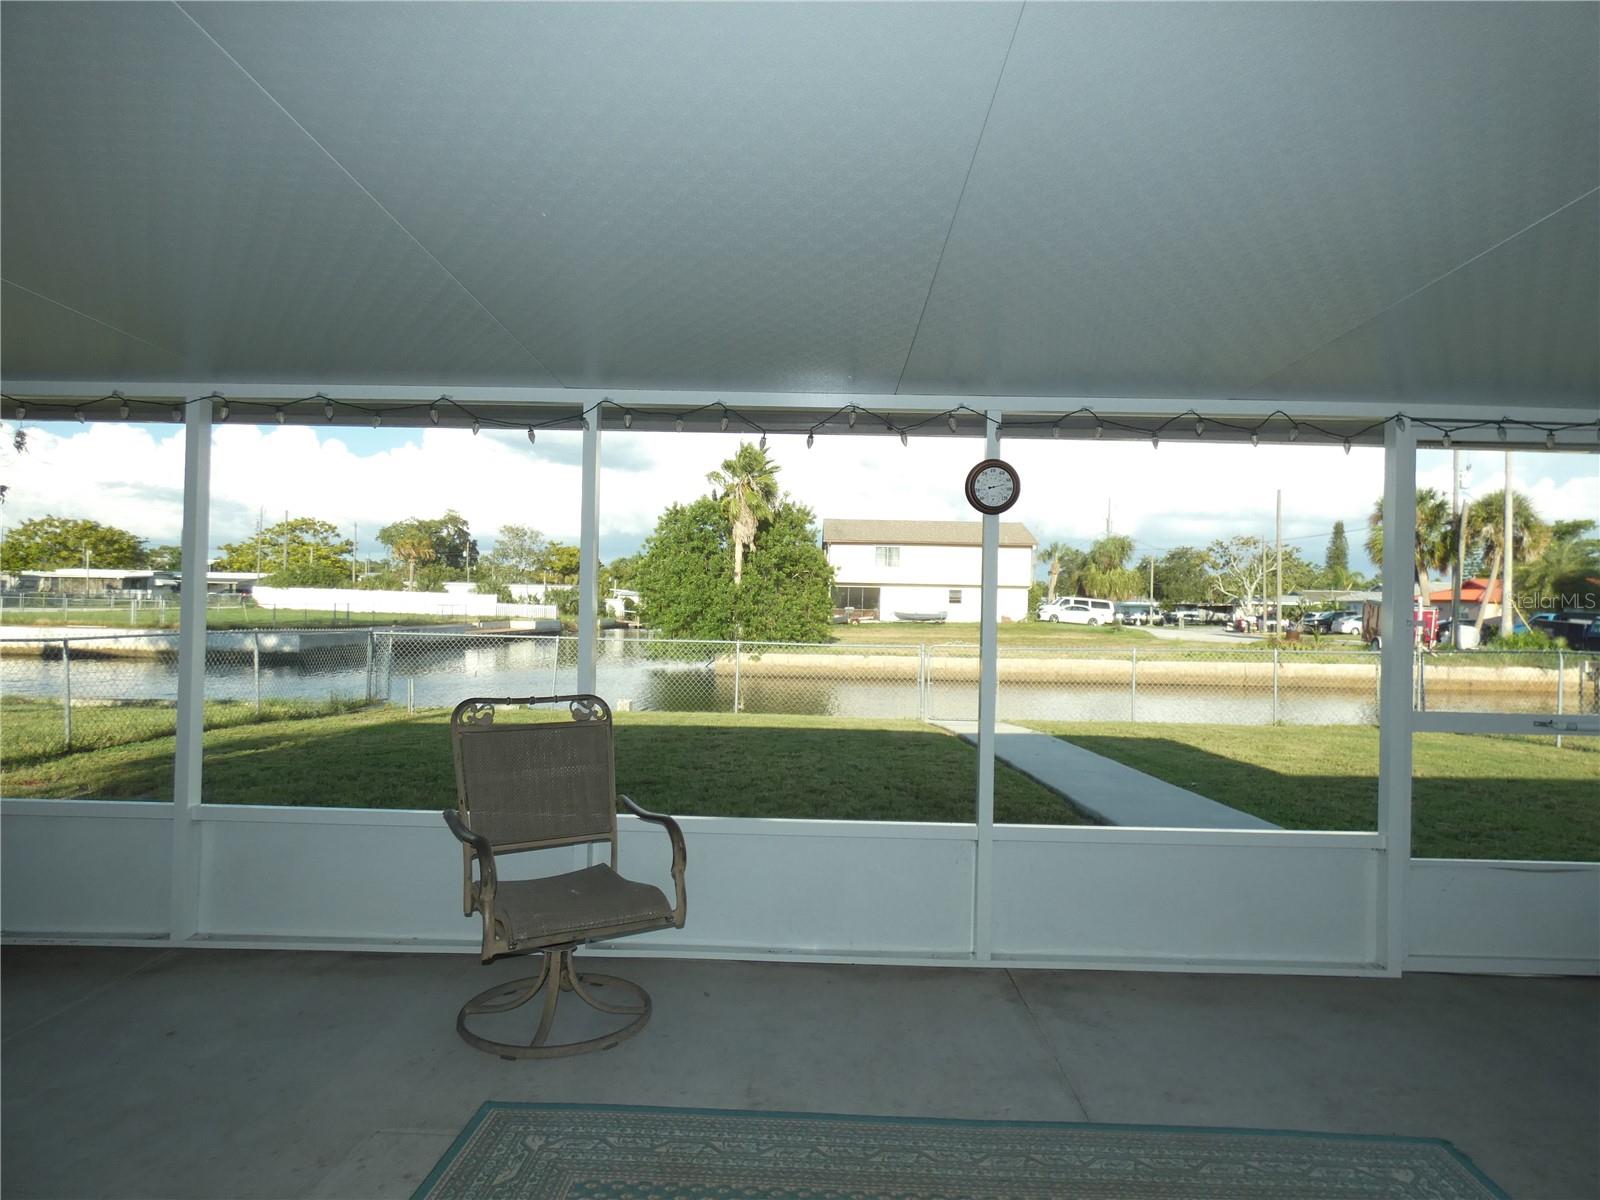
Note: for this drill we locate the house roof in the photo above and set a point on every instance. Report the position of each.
(91, 573)
(1471, 593)
(1295, 204)
(838, 531)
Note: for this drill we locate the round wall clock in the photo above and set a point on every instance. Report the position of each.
(993, 486)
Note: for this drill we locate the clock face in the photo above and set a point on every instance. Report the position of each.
(992, 486)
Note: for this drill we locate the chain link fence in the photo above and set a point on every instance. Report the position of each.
(86, 692)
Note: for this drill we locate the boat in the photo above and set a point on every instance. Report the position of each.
(936, 618)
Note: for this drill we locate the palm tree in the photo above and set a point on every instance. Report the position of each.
(412, 548)
(1054, 558)
(1485, 521)
(1561, 576)
(1435, 538)
(1106, 573)
(749, 487)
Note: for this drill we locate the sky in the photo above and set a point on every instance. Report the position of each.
(1185, 492)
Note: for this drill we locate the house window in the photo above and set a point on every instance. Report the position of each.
(955, 595)
(888, 556)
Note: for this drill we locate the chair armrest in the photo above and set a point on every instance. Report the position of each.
(680, 852)
(476, 845)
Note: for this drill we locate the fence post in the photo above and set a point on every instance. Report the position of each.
(411, 693)
(255, 663)
(736, 675)
(372, 641)
(1133, 685)
(923, 707)
(555, 665)
(1561, 688)
(1275, 651)
(66, 687)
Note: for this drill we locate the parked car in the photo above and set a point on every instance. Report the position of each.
(1079, 610)
(1185, 616)
(1138, 612)
(1342, 623)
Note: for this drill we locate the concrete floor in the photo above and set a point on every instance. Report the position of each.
(208, 1073)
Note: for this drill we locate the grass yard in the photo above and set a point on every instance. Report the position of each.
(1472, 796)
(1044, 633)
(683, 763)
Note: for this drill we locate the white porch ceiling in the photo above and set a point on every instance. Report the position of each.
(1297, 203)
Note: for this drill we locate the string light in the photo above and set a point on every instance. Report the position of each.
(852, 416)
(222, 411)
(811, 439)
(1255, 438)
(627, 420)
(1055, 430)
(1099, 431)
(763, 441)
(22, 412)
(951, 421)
(678, 425)
(278, 416)
(122, 410)
(433, 412)
(327, 408)
(1550, 439)
(78, 412)
(1446, 439)
(1155, 440)
(177, 413)
(1500, 432)
(1294, 432)
(723, 424)
(904, 441)
(1347, 445)
(1400, 422)
(1199, 427)
(376, 420)
(531, 436)
(475, 426)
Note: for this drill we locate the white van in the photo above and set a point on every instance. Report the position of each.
(1079, 610)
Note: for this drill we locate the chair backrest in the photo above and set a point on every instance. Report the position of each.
(527, 785)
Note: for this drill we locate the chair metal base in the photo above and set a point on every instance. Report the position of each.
(556, 975)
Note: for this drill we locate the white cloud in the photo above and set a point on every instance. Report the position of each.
(1184, 493)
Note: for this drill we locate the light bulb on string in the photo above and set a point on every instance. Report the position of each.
(1294, 432)
(1255, 438)
(678, 425)
(532, 437)
(177, 413)
(222, 411)
(627, 420)
(1055, 430)
(1199, 427)
(433, 412)
(1155, 440)
(763, 444)
(122, 410)
(278, 416)
(723, 424)
(1500, 432)
(811, 439)
(476, 425)
(951, 421)
(904, 441)
(377, 420)
(852, 418)
(78, 412)
(327, 409)
(1099, 431)
(1347, 445)
(22, 412)
(1445, 441)
(1550, 439)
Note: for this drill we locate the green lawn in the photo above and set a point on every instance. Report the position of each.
(1472, 796)
(683, 763)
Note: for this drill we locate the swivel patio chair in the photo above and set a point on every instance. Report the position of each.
(529, 782)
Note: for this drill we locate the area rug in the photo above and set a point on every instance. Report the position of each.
(524, 1151)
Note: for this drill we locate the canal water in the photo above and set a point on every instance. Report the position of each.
(436, 671)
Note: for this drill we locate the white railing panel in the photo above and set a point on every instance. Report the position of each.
(1503, 917)
(87, 868)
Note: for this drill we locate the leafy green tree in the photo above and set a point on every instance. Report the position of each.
(519, 552)
(1567, 574)
(1183, 576)
(47, 543)
(685, 576)
(749, 488)
(165, 558)
(300, 542)
(449, 541)
(1238, 569)
(561, 563)
(1336, 562)
(313, 575)
(686, 573)
(787, 591)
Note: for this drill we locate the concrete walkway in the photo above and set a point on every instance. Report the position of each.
(1102, 788)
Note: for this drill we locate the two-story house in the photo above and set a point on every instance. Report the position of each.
(904, 570)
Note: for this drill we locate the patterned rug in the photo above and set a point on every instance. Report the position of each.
(522, 1151)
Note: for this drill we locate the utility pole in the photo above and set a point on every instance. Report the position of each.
(261, 514)
(1278, 610)
(1108, 516)
(1461, 550)
(1507, 620)
(286, 539)
(355, 549)
(1152, 577)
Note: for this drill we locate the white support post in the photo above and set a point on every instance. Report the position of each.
(988, 693)
(589, 554)
(186, 766)
(1395, 716)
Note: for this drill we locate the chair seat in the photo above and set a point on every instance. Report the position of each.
(579, 906)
